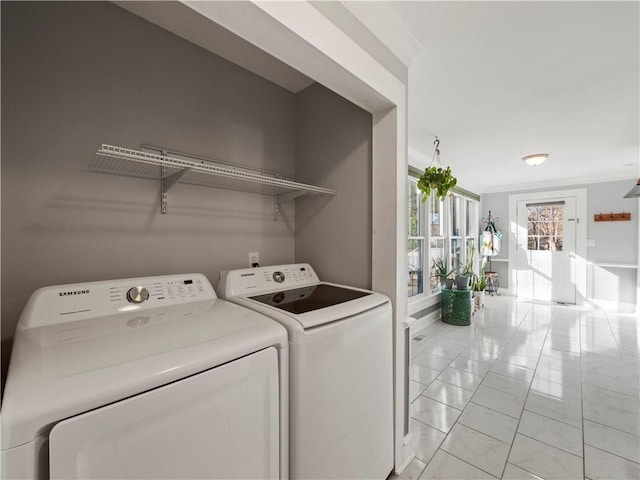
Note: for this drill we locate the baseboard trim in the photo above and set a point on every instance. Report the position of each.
(424, 321)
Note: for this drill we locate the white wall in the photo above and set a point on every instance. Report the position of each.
(616, 242)
(300, 36)
(333, 148)
(77, 74)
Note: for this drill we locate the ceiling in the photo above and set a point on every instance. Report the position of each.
(500, 80)
(495, 81)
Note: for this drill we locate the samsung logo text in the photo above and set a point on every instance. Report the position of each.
(73, 292)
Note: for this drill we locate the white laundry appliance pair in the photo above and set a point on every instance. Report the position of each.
(158, 378)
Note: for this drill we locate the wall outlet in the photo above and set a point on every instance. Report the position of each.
(254, 259)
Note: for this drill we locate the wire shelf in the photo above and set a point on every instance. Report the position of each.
(170, 170)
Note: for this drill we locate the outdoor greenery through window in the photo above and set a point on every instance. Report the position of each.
(544, 226)
(437, 229)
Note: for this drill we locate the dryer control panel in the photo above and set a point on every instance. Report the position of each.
(250, 281)
(80, 301)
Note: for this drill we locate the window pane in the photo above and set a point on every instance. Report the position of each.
(415, 260)
(472, 219)
(532, 243)
(543, 243)
(436, 251)
(456, 254)
(436, 216)
(544, 213)
(470, 243)
(456, 216)
(414, 199)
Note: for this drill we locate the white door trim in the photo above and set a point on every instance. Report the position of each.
(580, 195)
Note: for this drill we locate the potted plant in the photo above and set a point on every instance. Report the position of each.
(462, 280)
(479, 285)
(437, 179)
(441, 271)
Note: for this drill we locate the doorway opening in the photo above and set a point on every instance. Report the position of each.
(547, 253)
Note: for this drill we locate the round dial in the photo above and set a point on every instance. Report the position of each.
(137, 294)
(278, 277)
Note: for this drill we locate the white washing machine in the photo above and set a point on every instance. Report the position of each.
(341, 376)
(144, 378)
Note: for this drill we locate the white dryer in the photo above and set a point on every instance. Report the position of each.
(144, 378)
(341, 368)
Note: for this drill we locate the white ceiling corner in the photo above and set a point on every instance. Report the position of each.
(384, 22)
(184, 21)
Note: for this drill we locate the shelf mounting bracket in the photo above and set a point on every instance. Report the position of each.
(282, 198)
(166, 182)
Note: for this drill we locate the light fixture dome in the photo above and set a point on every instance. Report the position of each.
(535, 159)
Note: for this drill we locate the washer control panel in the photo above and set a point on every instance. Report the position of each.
(65, 303)
(266, 279)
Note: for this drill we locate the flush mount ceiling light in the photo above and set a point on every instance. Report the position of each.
(535, 159)
(634, 192)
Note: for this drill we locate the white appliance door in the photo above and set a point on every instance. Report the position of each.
(341, 399)
(222, 423)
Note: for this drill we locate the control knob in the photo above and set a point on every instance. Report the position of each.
(137, 295)
(278, 277)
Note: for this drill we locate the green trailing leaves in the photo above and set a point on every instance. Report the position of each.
(438, 180)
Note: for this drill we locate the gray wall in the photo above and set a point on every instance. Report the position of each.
(333, 149)
(75, 75)
(616, 242)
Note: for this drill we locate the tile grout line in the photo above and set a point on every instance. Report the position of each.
(525, 401)
(613, 454)
(610, 427)
(483, 377)
(584, 443)
(549, 445)
(456, 421)
(471, 464)
(584, 456)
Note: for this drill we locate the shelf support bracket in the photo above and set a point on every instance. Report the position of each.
(167, 182)
(276, 208)
(285, 197)
(282, 198)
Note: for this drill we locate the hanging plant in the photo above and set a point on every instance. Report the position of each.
(436, 178)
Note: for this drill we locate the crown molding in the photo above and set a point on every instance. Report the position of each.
(418, 159)
(386, 24)
(560, 182)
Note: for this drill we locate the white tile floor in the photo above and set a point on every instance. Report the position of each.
(529, 390)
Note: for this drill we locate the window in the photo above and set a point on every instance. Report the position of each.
(438, 229)
(415, 244)
(436, 236)
(544, 226)
(456, 252)
(472, 227)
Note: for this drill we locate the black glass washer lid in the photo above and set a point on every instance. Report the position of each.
(310, 298)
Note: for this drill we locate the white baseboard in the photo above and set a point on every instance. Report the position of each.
(423, 322)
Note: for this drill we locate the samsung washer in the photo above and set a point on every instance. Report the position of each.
(144, 378)
(341, 368)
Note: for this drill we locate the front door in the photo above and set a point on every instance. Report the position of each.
(546, 246)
